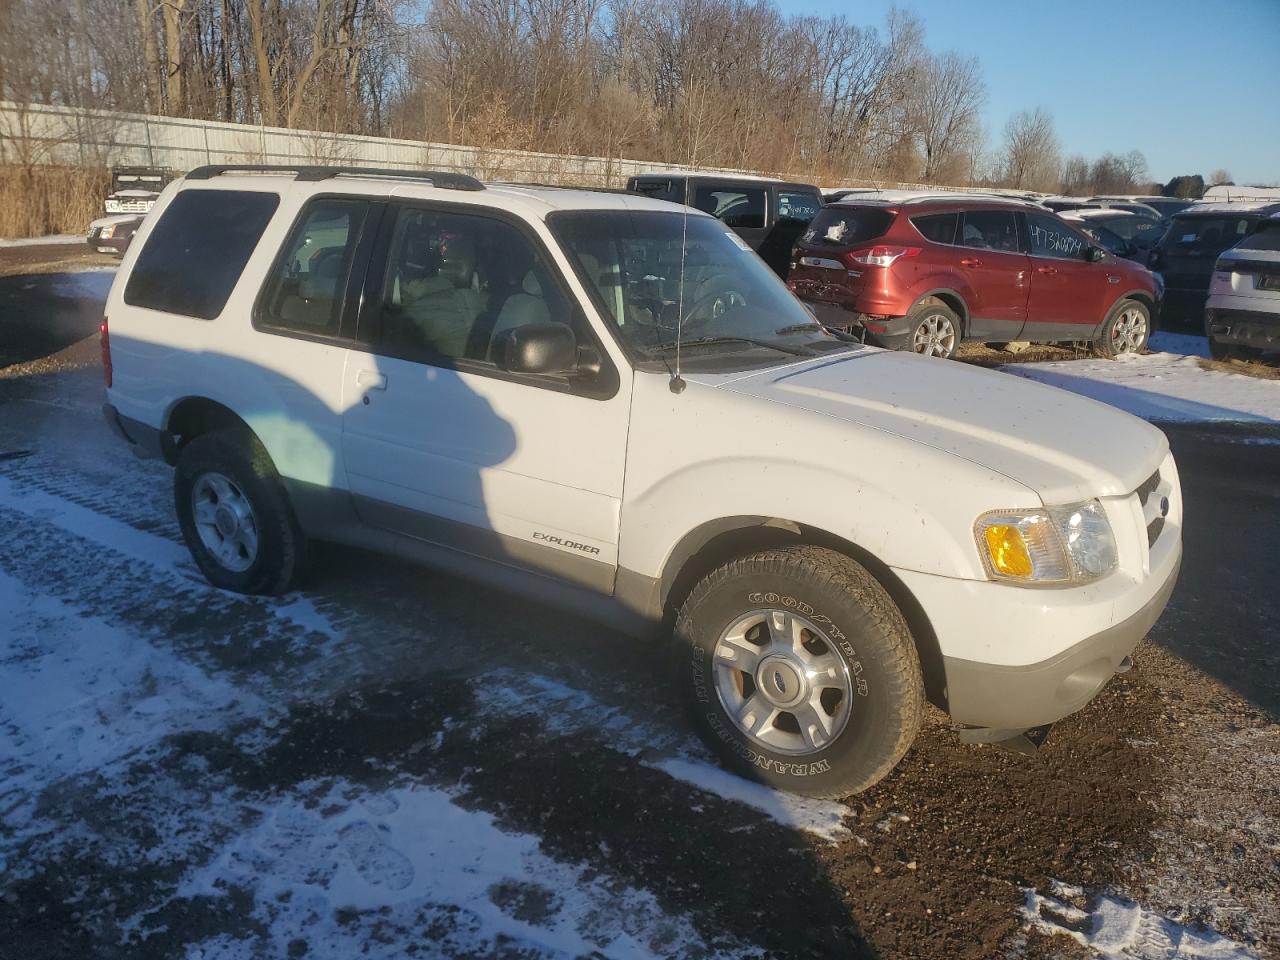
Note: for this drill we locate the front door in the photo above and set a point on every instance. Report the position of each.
(995, 271)
(744, 209)
(1069, 294)
(441, 444)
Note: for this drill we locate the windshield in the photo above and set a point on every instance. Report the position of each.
(718, 298)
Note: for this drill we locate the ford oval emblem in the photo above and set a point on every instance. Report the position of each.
(1164, 506)
(779, 682)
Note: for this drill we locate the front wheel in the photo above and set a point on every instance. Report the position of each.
(1125, 331)
(798, 669)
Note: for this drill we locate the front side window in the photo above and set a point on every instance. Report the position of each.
(197, 251)
(989, 230)
(1050, 237)
(659, 278)
(797, 205)
(306, 291)
(455, 282)
(737, 207)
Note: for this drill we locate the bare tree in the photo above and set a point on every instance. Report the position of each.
(1220, 177)
(950, 94)
(1030, 155)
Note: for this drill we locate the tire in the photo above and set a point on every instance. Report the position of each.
(242, 499)
(1125, 331)
(935, 330)
(848, 625)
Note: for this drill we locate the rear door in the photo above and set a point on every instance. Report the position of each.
(1069, 294)
(989, 256)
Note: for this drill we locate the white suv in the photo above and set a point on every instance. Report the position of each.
(609, 402)
(1242, 312)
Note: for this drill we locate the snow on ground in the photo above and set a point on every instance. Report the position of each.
(408, 853)
(1119, 929)
(1164, 386)
(40, 241)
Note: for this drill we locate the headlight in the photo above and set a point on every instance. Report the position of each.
(1062, 546)
(107, 232)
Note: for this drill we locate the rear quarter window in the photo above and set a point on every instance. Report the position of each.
(937, 227)
(842, 227)
(1206, 235)
(197, 251)
(799, 206)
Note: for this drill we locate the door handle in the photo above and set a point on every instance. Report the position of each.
(371, 379)
(1047, 271)
(970, 262)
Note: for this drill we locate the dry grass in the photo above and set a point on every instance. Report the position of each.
(1263, 369)
(50, 200)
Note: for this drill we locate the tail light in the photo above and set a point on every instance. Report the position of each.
(881, 256)
(105, 338)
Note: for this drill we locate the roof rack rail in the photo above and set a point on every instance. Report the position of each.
(313, 174)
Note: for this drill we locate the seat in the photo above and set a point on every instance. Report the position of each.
(443, 308)
(527, 305)
(312, 306)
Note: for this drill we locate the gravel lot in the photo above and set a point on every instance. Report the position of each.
(398, 763)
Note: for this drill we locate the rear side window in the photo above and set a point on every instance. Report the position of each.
(989, 230)
(197, 251)
(798, 206)
(844, 226)
(737, 207)
(305, 291)
(938, 227)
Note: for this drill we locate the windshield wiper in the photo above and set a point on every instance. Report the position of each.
(798, 328)
(701, 341)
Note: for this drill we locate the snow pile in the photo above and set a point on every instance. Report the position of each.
(1169, 386)
(1120, 929)
(409, 862)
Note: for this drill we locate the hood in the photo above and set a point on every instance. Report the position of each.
(1064, 447)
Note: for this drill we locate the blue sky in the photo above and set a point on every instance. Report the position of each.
(1194, 85)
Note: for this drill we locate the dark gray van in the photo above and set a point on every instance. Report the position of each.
(769, 215)
(1187, 252)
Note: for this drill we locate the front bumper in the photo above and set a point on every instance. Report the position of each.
(1018, 697)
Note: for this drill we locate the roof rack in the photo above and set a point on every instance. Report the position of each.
(314, 174)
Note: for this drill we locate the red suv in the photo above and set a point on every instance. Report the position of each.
(926, 273)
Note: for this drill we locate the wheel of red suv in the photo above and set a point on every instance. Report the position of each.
(1125, 331)
(935, 330)
(235, 516)
(799, 671)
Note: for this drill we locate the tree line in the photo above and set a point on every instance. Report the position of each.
(725, 83)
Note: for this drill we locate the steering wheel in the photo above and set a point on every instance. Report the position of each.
(720, 302)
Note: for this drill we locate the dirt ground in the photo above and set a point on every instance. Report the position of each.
(1164, 792)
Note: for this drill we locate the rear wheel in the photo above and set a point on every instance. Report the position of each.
(1125, 331)
(799, 671)
(935, 330)
(235, 516)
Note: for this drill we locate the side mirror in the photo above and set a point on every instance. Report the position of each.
(545, 348)
(1094, 254)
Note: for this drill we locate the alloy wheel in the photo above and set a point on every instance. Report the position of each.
(225, 521)
(1129, 331)
(935, 336)
(781, 682)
